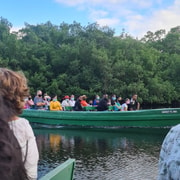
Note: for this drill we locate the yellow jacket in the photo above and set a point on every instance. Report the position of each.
(55, 106)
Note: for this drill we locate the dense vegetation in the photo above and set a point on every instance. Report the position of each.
(90, 60)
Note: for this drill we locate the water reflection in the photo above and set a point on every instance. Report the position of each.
(54, 141)
(102, 154)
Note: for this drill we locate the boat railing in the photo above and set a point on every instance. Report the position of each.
(64, 171)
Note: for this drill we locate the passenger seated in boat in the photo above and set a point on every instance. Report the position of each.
(38, 100)
(65, 103)
(29, 103)
(134, 104)
(83, 101)
(55, 105)
(103, 104)
(13, 90)
(125, 105)
(117, 105)
(47, 100)
(72, 101)
(96, 100)
(90, 102)
(77, 106)
(113, 100)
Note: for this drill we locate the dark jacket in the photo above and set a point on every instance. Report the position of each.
(133, 105)
(103, 105)
(77, 106)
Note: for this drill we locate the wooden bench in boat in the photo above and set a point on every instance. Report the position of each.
(62, 172)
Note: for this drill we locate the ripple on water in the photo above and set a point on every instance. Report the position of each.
(102, 155)
(118, 166)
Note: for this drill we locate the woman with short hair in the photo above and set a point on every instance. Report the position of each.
(13, 91)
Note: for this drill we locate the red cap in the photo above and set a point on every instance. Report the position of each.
(66, 97)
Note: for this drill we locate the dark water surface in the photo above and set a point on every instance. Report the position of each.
(102, 154)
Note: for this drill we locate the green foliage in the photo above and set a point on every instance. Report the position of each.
(71, 59)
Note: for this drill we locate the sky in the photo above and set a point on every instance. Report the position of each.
(136, 17)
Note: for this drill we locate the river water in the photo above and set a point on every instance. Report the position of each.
(102, 154)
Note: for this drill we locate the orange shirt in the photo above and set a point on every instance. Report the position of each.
(84, 103)
(55, 106)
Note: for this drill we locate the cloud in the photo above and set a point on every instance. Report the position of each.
(71, 2)
(135, 16)
(95, 14)
(108, 22)
(141, 3)
(109, 3)
(159, 19)
(87, 2)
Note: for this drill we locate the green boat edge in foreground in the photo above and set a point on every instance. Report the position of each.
(64, 171)
(143, 118)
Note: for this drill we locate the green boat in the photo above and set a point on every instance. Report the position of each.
(64, 171)
(143, 118)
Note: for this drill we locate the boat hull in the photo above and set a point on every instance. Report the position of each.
(143, 118)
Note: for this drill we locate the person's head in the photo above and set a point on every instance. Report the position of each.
(11, 163)
(13, 90)
(39, 93)
(46, 97)
(127, 100)
(66, 97)
(84, 97)
(119, 98)
(54, 97)
(29, 98)
(90, 102)
(134, 97)
(72, 97)
(97, 97)
(80, 98)
(105, 96)
(113, 97)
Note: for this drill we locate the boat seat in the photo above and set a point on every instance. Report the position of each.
(89, 108)
(110, 108)
(68, 108)
(64, 171)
